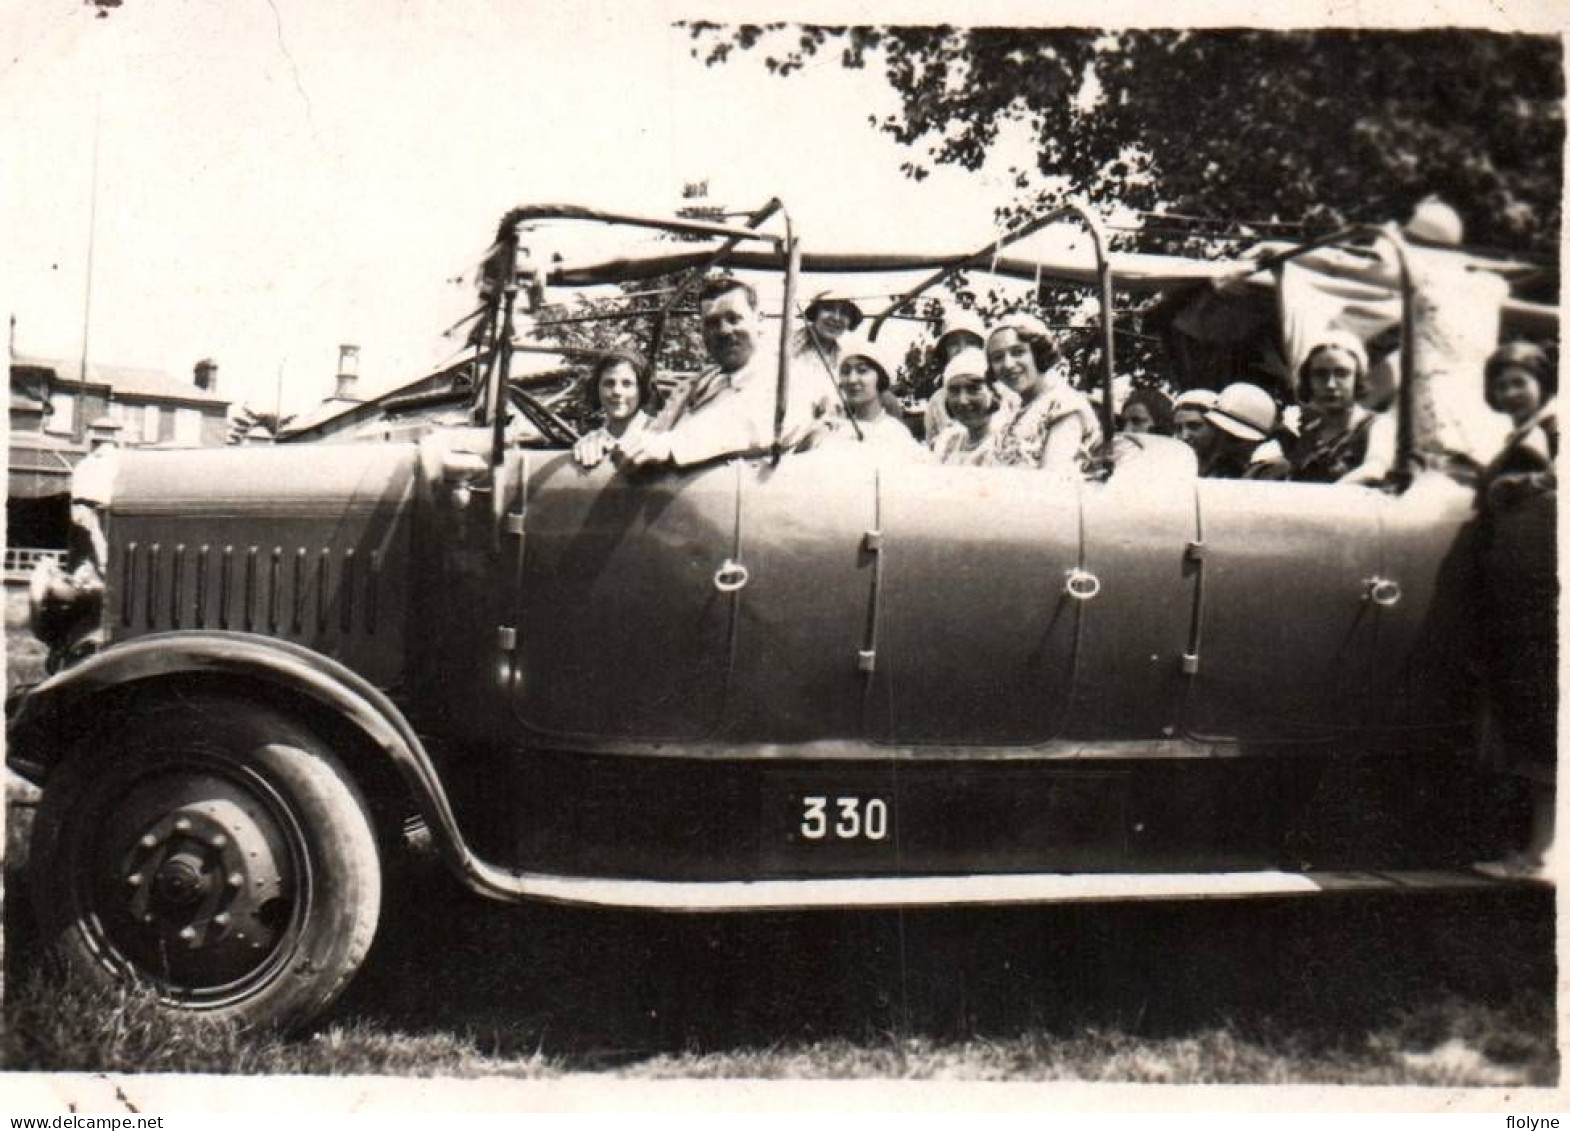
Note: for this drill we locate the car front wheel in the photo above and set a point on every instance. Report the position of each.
(215, 852)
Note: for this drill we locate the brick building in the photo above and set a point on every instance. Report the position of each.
(55, 420)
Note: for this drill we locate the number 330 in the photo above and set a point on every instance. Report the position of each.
(853, 818)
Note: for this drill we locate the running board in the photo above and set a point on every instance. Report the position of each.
(859, 893)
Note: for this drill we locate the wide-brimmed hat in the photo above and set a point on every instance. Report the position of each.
(1195, 400)
(1245, 411)
(834, 298)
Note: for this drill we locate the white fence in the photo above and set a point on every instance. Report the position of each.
(20, 560)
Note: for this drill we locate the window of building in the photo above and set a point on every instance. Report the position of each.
(150, 424)
(28, 419)
(129, 420)
(63, 418)
(187, 426)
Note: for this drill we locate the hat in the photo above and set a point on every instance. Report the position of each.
(1434, 221)
(1343, 340)
(1198, 400)
(968, 362)
(1022, 323)
(958, 320)
(1245, 411)
(875, 352)
(623, 352)
(834, 298)
(1523, 355)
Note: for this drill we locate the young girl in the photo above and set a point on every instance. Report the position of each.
(1517, 498)
(619, 386)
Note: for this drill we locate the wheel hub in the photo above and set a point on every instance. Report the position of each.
(205, 880)
(179, 881)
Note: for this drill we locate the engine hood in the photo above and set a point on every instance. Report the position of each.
(297, 480)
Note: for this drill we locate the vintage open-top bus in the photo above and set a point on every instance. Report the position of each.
(778, 680)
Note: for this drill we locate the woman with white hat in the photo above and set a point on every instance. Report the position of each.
(1188, 416)
(974, 408)
(864, 376)
(828, 317)
(961, 329)
(1241, 420)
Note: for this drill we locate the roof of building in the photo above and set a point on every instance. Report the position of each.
(39, 466)
(334, 408)
(125, 380)
(329, 409)
(24, 401)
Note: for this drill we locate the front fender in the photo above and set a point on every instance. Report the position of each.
(39, 716)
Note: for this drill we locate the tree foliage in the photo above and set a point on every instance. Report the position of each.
(1268, 132)
(627, 319)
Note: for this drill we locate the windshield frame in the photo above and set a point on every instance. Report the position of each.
(506, 272)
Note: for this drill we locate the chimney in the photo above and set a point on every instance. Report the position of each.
(348, 373)
(207, 375)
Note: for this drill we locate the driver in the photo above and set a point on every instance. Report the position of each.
(728, 409)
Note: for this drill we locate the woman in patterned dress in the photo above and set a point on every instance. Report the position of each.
(1055, 428)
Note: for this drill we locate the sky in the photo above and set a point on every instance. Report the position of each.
(277, 177)
(274, 179)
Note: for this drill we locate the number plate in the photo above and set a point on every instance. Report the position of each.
(842, 816)
(829, 821)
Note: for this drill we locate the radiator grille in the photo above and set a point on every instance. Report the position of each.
(293, 591)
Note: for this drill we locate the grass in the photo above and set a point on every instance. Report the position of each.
(1221, 1054)
(53, 1025)
(458, 987)
(1446, 1043)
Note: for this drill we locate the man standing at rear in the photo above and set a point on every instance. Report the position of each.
(728, 409)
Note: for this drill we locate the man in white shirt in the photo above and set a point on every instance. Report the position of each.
(728, 409)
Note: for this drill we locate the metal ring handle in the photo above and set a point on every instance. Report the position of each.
(1081, 584)
(730, 577)
(1383, 592)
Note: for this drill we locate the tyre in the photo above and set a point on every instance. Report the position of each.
(213, 851)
